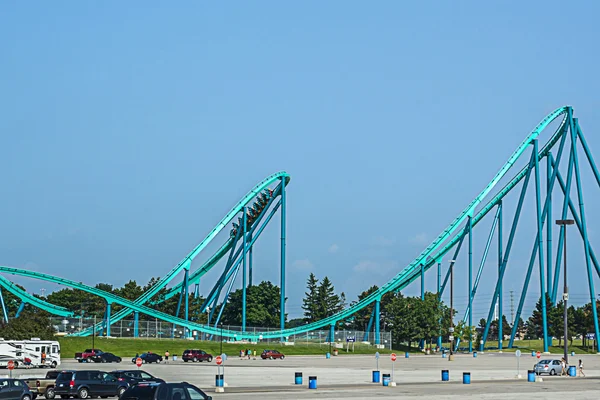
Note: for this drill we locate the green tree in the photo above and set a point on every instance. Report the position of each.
(31, 323)
(310, 301)
(262, 306)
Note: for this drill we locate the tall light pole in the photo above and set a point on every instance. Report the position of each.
(565, 222)
(451, 330)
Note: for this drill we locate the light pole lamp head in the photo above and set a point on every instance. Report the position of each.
(565, 222)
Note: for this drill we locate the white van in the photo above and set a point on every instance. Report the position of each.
(18, 350)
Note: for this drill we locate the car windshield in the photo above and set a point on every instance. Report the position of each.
(64, 376)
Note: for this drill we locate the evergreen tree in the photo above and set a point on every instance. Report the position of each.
(310, 301)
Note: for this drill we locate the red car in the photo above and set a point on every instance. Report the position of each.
(87, 355)
(271, 355)
(196, 355)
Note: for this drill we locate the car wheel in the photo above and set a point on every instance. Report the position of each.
(195, 359)
(282, 356)
(103, 360)
(185, 360)
(54, 364)
(83, 393)
(552, 372)
(50, 393)
(16, 364)
(209, 359)
(119, 360)
(120, 392)
(26, 397)
(270, 358)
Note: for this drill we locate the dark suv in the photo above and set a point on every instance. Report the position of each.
(196, 355)
(87, 384)
(164, 391)
(14, 389)
(133, 377)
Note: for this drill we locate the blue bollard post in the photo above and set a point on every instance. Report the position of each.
(376, 376)
(466, 378)
(312, 382)
(443, 355)
(386, 380)
(406, 355)
(445, 375)
(572, 354)
(533, 354)
(474, 354)
(219, 380)
(327, 355)
(530, 375)
(298, 378)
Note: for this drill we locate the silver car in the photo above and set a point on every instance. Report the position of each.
(550, 367)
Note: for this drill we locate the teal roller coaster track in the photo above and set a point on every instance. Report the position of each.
(257, 208)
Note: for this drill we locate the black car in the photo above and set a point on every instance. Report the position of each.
(148, 358)
(164, 391)
(87, 384)
(14, 389)
(134, 376)
(106, 358)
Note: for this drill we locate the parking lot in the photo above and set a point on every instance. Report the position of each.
(342, 377)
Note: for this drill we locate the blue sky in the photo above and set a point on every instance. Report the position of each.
(128, 131)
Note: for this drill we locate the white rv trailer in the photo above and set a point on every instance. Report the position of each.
(18, 350)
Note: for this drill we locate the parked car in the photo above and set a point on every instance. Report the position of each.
(271, 355)
(196, 355)
(105, 358)
(134, 376)
(148, 358)
(550, 367)
(43, 386)
(158, 391)
(89, 383)
(83, 357)
(15, 389)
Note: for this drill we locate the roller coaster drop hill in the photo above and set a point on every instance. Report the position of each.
(257, 208)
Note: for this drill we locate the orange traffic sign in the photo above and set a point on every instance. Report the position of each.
(219, 360)
(538, 354)
(393, 356)
(139, 362)
(11, 365)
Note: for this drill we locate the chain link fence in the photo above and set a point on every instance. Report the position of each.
(155, 329)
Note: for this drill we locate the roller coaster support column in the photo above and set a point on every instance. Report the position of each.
(282, 303)
(549, 224)
(470, 223)
(368, 330)
(331, 334)
(586, 243)
(107, 318)
(377, 314)
(588, 154)
(538, 201)
(250, 261)
(500, 327)
(136, 322)
(187, 298)
(3, 307)
(511, 237)
(422, 341)
(439, 283)
(244, 248)
(20, 310)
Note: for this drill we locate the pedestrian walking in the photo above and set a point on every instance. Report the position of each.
(563, 366)
(580, 368)
(167, 357)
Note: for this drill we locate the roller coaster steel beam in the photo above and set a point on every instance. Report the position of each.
(586, 243)
(224, 304)
(250, 262)
(369, 325)
(34, 301)
(20, 310)
(439, 293)
(254, 238)
(245, 248)
(588, 154)
(538, 203)
(282, 286)
(554, 176)
(500, 328)
(511, 237)
(5, 314)
(377, 317)
(549, 224)
(422, 341)
(456, 252)
(136, 323)
(107, 318)
(481, 264)
(575, 215)
(469, 293)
